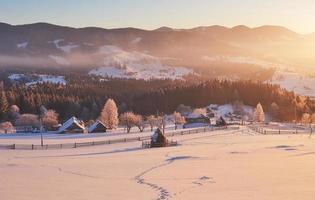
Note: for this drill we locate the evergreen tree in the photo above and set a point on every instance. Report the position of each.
(3, 104)
(109, 115)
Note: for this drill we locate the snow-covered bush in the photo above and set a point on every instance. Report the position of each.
(7, 127)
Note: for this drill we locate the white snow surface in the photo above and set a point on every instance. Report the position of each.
(38, 78)
(241, 60)
(65, 48)
(229, 165)
(22, 45)
(122, 64)
(292, 81)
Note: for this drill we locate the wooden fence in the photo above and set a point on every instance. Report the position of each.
(104, 142)
(264, 131)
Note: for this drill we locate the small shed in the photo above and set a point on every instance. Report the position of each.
(97, 127)
(73, 125)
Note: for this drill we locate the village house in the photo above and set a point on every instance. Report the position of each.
(97, 127)
(73, 125)
(197, 120)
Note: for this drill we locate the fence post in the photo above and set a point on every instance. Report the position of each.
(32, 146)
(75, 145)
(13, 146)
(279, 131)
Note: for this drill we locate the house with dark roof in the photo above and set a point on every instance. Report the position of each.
(197, 120)
(97, 127)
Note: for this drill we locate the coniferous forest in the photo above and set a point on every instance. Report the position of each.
(84, 96)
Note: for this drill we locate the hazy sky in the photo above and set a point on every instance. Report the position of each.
(298, 15)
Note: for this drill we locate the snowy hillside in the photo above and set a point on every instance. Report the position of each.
(299, 83)
(122, 64)
(32, 79)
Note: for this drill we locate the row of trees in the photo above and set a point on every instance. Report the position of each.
(109, 116)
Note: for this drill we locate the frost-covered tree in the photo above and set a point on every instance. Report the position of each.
(259, 113)
(7, 127)
(127, 119)
(178, 119)
(138, 122)
(50, 119)
(109, 115)
(306, 119)
(27, 120)
(13, 113)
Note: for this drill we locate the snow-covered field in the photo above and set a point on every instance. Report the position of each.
(299, 83)
(229, 164)
(122, 64)
(32, 79)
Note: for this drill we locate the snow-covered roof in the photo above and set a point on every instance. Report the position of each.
(67, 124)
(94, 126)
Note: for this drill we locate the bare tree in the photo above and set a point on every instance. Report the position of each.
(127, 119)
(152, 120)
(109, 115)
(138, 122)
(161, 123)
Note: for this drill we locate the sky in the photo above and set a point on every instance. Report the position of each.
(298, 15)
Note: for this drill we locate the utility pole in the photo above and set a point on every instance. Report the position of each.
(41, 131)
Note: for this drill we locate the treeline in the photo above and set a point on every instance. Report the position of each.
(85, 96)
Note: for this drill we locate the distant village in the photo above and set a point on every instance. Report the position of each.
(109, 119)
